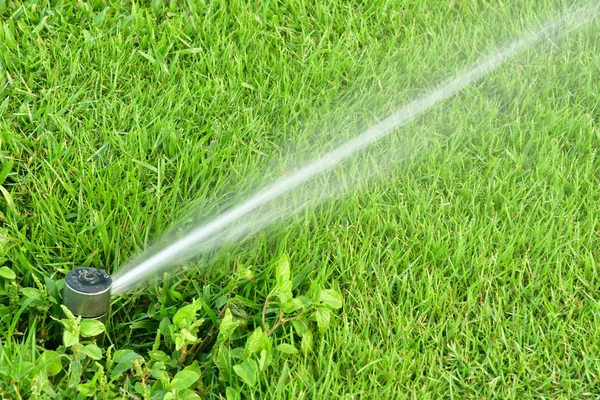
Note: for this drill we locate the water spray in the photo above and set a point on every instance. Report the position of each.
(87, 293)
(188, 246)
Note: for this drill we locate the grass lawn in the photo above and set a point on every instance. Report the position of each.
(464, 246)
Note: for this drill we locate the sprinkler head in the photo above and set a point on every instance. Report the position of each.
(87, 292)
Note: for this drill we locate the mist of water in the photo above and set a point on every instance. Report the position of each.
(242, 218)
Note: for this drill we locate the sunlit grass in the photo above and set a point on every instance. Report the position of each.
(468, 265)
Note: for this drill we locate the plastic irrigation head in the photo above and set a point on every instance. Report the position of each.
(87, 293)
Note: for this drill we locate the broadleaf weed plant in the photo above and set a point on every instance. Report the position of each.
(208, 346)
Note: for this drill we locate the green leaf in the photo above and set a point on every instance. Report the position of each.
(159, 355)
(306, 344)
(332, 298)
(238, 353)
(284, 284)
(196, 324)
(185, 316)
(184, 379)
(7, 273)
(125, 356)
(91, 327)
(305, 301)
(284, 293)
(227, 326)
(30, 292)
(87, 389)
(139, 389)
(300, 326)
(291, 306)
(50, 361)
(188, 336)
(187, 394)
(232, 394)
(69, 339)
(296, 303)
(169, 396)
(195, 367)
(184, 337)
(313, 292)
(287, 348)
(322, 316)
(283, 270)
(265, 359)
(75, 371)
(157, 370)
(222, 358)
(257, 341)
(92, 351)
(124, 361)
(165, 327)
(179, 342)
(246, 371)
(46, 387)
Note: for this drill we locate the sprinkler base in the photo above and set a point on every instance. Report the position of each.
(87, 293)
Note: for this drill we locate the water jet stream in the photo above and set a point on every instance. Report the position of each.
(127, 278)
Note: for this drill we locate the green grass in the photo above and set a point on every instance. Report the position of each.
(467, 261)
